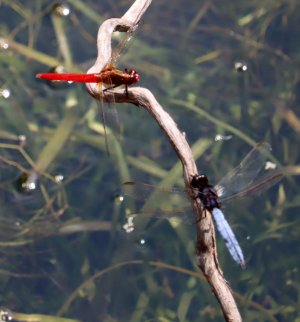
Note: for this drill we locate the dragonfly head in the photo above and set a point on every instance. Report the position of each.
(199, 181)
(134, 76)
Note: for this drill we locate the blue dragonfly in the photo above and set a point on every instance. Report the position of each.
(242, 181)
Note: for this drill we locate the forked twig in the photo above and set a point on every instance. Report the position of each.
(206, 254)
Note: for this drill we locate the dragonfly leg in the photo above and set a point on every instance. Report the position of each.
(110, 88)
(115, 86)
(126, 85)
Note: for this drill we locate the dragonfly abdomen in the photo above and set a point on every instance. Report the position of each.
(229, 237)
(209, 198)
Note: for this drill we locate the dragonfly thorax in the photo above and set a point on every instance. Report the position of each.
(205, 192)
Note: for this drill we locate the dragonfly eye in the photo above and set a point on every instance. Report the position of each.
(135, 77)
(199, 180)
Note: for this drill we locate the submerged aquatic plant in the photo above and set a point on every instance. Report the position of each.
(189, 60)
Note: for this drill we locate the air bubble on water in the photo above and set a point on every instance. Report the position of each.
(59, 178)
(220, 137)
(26, 182)
(5, 315)
(22, 139)
(118, 199)
(270, 165)
(142, 241)
(58, 69)
(240, 67)
(29, 186)
(5, 92)
(4, 44)
(61, 9)
(129, 226)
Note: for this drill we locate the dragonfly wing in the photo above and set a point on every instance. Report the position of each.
(109, 118)
(106, 131)
(244, 174)
(159, 202)
(113, 120)
(143, 191)
(121, 46)
(183, 214)
(258, 186)
(118, 50)
(229, 237)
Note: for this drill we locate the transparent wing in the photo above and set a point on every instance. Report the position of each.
(183, 214)
(113, 120)
(103, 117)
(122, 45)
(245, 173)
(116, 53)
(142, 191)
(110, 120)
(159, 202)
(262, 184)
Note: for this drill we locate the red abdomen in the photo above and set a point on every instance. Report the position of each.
(81, 78)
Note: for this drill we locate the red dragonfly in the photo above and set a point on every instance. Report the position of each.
(108, 78)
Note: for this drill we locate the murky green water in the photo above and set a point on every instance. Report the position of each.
(225, 69)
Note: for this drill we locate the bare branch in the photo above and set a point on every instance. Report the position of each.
(206, 255)
(132, 16)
